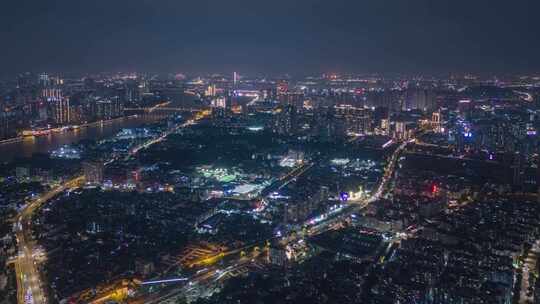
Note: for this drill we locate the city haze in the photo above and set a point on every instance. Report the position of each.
(303, 36)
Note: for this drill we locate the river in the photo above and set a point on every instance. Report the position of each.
(27, 146)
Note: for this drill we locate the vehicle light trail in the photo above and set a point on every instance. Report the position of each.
(164, 281)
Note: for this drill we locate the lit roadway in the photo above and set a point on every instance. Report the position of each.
(530, 264)
(204, 277)
(149, 110)
(356, 205)
(29, 284)
(389, 172)
(164, 107)
(161, 138)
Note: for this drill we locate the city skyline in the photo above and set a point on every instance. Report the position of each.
(186, 189)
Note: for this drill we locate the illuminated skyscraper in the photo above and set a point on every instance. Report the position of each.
(52, 94)
(385, 126)
(219, 102)
(59, 105)
(211, 91)
(400, 132)
(436, 122)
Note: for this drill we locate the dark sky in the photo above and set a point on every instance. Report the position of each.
(262, 36)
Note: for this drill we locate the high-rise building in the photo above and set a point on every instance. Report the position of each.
(220, 102)
(61, 111)
(517, 168)
(76, 113)
(44, 80)
(292, 98)
(436, 121)
(385, 126)
(108, 108)
(400, 133)
(93, 172)
(277, 255)
(419, 99)
(328, 126)
(282, 87)
(285, 122)
(537, 100)
(538, 179)
(26, 80)
(58, 105)
(134, 91)
(211, 91)
(22, 172)
(389, 99)
(356, 120)
(52, 94)
(6, 124)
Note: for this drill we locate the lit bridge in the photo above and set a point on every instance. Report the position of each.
(160, 111)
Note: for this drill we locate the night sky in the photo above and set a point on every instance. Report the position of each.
(296, 36)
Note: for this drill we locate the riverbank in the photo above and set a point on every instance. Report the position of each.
(11, 140)
(22, 147)
(29, 133)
